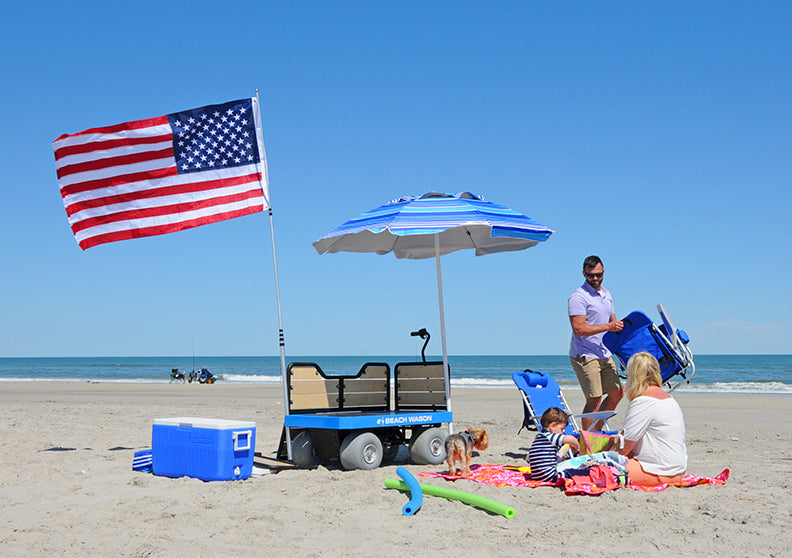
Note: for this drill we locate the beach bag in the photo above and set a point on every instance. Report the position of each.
(595, 442)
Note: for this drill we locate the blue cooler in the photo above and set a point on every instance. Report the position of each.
(206, 449)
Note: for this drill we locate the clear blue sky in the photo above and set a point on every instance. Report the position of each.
(658, 136)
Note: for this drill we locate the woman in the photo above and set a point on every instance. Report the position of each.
(654, 430)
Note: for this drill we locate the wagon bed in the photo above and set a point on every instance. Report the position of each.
(363, 418)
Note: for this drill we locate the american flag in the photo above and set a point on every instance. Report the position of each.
(164, 174)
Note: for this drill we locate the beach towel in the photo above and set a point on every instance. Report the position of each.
(506, 475)
(143, 461)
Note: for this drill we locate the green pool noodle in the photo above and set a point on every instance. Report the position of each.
(451, 494)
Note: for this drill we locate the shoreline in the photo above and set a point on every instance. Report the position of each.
(69, 487)
(276, 381)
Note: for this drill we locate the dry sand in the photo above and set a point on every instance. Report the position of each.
(67, 487)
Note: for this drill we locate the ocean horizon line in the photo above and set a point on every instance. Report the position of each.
(433, 357)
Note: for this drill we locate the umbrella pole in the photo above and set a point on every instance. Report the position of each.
(446, 372)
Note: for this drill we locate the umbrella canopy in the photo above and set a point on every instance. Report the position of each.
(406, 227)
(432, 225)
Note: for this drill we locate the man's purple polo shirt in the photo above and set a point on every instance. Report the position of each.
(597, 306)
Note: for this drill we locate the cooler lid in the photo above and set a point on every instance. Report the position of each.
(195, 422)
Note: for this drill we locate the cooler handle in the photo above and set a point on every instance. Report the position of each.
(248, 434)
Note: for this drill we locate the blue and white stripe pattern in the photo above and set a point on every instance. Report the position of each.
(143, 461)
(406, 227)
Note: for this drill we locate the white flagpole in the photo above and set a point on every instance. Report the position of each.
(446, 371)
(281, 340)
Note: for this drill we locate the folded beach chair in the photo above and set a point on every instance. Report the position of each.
(668, 344)
(539, 392)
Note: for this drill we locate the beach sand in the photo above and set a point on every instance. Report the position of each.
(67, 486)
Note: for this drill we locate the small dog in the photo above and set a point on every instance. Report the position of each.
(459, 447)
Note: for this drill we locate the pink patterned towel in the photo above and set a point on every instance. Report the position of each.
(507, 475)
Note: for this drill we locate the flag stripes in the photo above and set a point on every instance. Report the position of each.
(126, 215)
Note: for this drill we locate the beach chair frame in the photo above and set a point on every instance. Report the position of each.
(539, 392)
(667, 343)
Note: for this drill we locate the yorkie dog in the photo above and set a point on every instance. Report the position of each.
(459, 447)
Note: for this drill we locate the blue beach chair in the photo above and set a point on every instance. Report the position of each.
(668, 344)
(539, 392)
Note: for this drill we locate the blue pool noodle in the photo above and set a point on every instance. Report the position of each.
(416, 494)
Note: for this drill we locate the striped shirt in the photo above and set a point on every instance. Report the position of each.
(542, 456)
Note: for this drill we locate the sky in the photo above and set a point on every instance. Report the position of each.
(655, 135)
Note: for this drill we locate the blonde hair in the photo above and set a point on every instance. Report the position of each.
(643, 371)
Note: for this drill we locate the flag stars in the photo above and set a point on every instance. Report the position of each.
(215, 137)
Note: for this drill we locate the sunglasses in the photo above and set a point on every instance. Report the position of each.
(594, 275)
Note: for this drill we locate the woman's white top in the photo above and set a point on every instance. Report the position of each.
(659, 429)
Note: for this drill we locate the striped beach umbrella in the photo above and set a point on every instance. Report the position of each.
(432, 225)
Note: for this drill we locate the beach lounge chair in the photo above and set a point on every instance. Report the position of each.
(539, 392)
(668, 344)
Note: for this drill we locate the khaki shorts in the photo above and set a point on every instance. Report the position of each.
(596, 376)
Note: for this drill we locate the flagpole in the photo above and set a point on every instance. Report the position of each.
(281, 340)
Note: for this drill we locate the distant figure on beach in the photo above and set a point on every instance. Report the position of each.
(205, 376)
(654, 428)
(591, 314)
(177, 376)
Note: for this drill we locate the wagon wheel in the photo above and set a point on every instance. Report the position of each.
(361, 450)
(428, 447)
(303, 451)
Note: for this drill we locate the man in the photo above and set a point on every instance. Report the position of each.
(591, 314)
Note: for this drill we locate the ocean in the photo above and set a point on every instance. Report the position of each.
(766, 374)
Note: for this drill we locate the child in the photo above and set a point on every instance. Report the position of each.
(543, 453)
